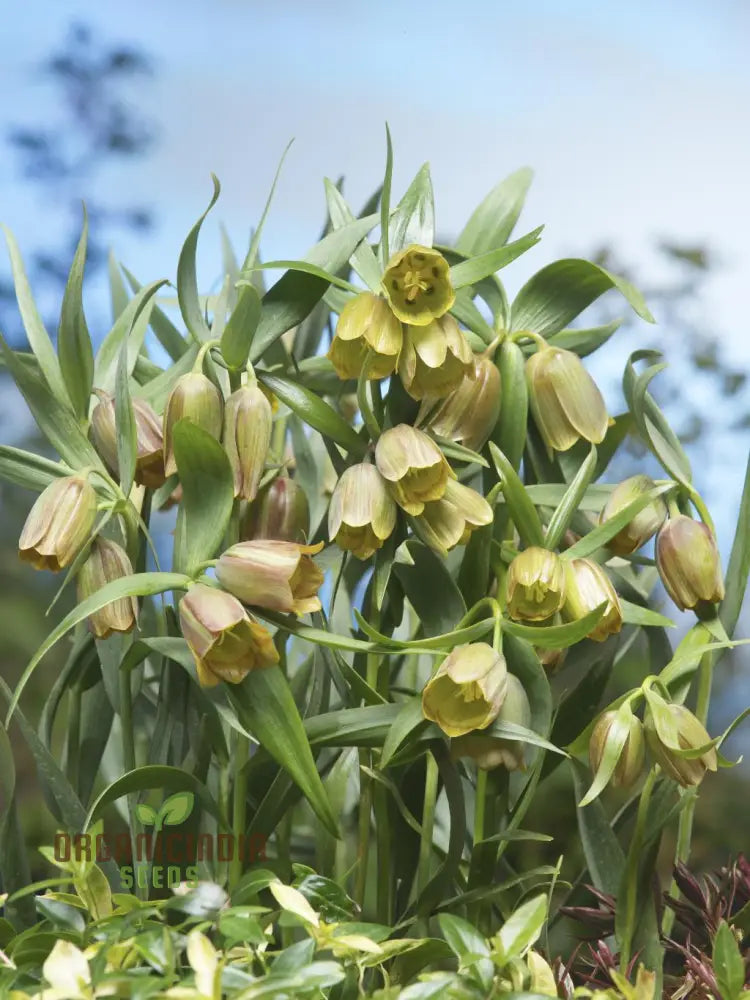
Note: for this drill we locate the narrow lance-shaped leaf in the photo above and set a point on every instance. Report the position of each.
(208, 492)
(739, 562)
(73, 341)
(470, 271)
(240, 329)
(125, 420)
(385, 201)
(363, 260)
(39, 339)
(559, 292)
(413, 219)
(166, 332)
(138, 585)
(187, 279)
(492, 222)
(522, 510)
(558, 523)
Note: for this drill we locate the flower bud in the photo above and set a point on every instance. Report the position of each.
(224, 640)
(495, 751)
(435, 358)
(450, 520)
(535, 585)
(468, 689)
(418, 285)
(272, 574)
(366, 323)
(691, 735)
(688, 562)
(586, 587)
(644, 525)
(469, 414)
(279, 511)
(58, 524)
(414, 467)
(107, 561)
(564, 399)
(362, 513)
(149, 441)
(196, 398)
(632, 755)
(247, 438)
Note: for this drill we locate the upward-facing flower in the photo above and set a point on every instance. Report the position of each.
(468, 689)
(58, 524)
(688, 562)
(225, 641)
(469, 414)
(247, 437)
(366, 324)
(272, 574)
(413, 466)
(196, 398)
(362, 513)
(418, 285)
(107, 561)
(564, 399)
(535, 585)
(435, 358)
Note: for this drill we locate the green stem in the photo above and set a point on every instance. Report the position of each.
(74, 735)
(368, 414)
(127, 736)
(428, 822)
(687, 816)
(633, 863)
(365, 807)
(480, 803)
(239, 801)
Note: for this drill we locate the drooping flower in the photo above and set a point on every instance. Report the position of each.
(279, 511)
(564, 399)
(413, 466)
(644, 524)
(272, 574)
(362, 513)
(435, 359)
(587, 586)
(469, 414)
(468, 689)
(687, 558)
(450, 520)
(535, 585)
(107, 561)
(248, 420)
(58, 524)
(366, 324)
(194, 397)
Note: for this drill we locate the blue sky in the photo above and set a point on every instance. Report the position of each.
(633, 116)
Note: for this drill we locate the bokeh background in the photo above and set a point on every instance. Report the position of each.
(633, 116)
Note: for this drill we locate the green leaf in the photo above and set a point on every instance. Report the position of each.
(617, 736)
(367, 727)
(409, 718)
(559, 292)
(385, 200)
(130, 326)
(555, 636)
(307, 268)
(39, 339)
(208, 492)
(14, 864)
(431, 590)
(464, 940)
(363, 260)
(413, 219)
(176, 808)
(584, 342)
(118, 294)
(187, 279)
(73, 340)
(314, 411)
(451, 449)
(238, 334)
(604, 856)
(54, 419)
(466, 312)
(520, 930)
(599, 536)
(651, 423)
(728, 963)
(293, 296)
(125, 421)
(634, 614)
(137, 585)
(510, 430)
(522, 510)
(252, 253)
(470, 271)
(739, 563)
(266, 708)
(155, 776)
(523, 661)
(166, 332)
(558, 523)
(492, 221)
(30, 471)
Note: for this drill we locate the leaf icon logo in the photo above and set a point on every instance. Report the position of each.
(173, 811)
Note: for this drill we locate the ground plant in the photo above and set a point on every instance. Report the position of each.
(353, 590)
